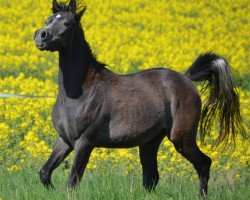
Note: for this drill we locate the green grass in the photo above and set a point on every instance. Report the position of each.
(26, 186)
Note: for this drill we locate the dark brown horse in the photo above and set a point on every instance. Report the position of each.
(98, 108)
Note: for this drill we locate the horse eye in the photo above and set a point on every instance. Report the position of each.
(66, 23)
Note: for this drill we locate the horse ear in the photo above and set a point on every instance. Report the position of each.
(55, 7)
(80, 13)
(72, 5)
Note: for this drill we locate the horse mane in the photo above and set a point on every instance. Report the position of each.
(91, 57)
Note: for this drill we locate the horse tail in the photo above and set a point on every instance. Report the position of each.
(222, 98)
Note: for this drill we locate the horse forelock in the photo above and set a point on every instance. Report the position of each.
(80, 6)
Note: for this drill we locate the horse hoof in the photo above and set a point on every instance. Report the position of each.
(45, 179)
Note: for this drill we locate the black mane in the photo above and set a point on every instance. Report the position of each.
(88, 53)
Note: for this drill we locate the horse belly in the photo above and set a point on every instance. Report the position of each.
(137, 114)
(122, 134)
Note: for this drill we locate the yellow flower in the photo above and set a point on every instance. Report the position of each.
(13, 168)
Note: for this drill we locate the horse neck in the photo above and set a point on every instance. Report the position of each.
(77, 65)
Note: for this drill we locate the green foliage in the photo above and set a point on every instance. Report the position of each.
(116, 186)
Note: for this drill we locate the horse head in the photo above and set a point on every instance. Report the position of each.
(58, 33)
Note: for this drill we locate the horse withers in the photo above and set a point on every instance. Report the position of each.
(96, 107)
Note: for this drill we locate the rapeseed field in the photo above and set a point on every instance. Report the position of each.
(129, 36)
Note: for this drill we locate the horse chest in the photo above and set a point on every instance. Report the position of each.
(70, 121)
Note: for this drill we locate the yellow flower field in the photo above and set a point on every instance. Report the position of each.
(129, 36)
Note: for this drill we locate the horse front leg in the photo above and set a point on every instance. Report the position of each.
(59, 153)
(83, 149)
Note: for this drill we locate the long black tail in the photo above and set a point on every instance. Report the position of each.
(222, 102)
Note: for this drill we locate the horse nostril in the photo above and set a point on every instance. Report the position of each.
(43, 35)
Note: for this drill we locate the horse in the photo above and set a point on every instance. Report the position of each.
(96, 107)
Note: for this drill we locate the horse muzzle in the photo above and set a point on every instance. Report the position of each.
(43, 39)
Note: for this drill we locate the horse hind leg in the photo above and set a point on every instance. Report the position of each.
(185, 144)
(148, 159)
